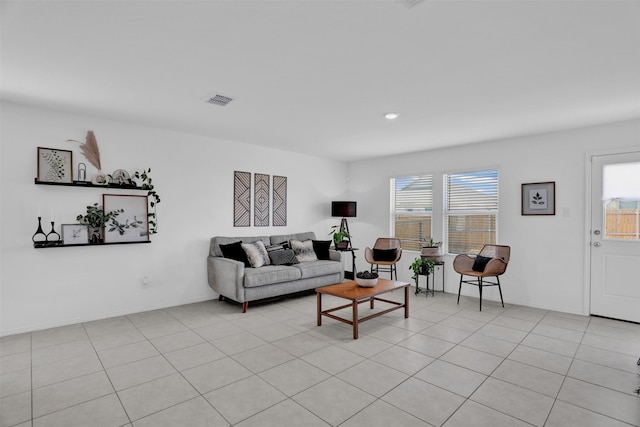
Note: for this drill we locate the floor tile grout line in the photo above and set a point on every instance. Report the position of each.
(369, 357)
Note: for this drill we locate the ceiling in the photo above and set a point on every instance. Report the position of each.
(317, 76)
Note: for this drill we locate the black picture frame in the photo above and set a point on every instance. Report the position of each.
(539, 198)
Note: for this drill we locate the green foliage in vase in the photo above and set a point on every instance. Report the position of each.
(421, 266)
(339, 234)
(96, 218)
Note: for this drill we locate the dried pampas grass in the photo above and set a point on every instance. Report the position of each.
(90, 150)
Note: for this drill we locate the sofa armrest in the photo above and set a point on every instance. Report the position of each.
(334, 255)
(226, 277)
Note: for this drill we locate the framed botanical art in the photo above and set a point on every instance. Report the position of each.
(55, 165)
(75, 234)
(130, 225)
(539, 198)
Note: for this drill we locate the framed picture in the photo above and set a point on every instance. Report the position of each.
(539, 198)
(132, 224)
(55, 165)
(75, 234)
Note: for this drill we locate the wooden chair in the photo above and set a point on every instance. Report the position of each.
(492, 261)
(384, 256)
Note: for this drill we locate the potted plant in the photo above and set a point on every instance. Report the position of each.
(96, 219)
(421, 266)
(432, 251)
(340, 237)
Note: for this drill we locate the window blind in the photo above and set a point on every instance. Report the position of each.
(471, 210)
(412, 205)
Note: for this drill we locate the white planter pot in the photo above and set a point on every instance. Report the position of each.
(434, 254)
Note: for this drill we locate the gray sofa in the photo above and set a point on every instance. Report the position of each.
(233, 280)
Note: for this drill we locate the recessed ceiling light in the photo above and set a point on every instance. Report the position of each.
(391, 116)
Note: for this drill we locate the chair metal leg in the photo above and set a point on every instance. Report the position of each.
(500, 289)
(480, 287)
(459, 289)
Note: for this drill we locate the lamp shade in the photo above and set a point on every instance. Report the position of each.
(344, 209)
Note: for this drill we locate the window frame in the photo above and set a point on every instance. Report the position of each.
(448, 213)
(408, 243)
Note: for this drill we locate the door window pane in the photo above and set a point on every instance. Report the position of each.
(621, 200)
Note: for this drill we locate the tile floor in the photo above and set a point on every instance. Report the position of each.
(207, 364)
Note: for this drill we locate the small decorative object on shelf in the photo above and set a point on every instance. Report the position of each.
(39, 238)
(366, 279)
(55, 165)
(53, 237)
(96, 219)
(82, 172)
(121, 177)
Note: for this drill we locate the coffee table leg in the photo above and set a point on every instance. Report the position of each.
(355, 320)
(406, 302)
(319, 309)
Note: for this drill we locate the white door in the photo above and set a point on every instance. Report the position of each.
(615, 236)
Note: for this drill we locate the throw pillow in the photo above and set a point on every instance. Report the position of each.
(480, 263)
(235, 251)
(384, 254)
(256, 254)
(321, 248)
(303, 250)
(283, 257)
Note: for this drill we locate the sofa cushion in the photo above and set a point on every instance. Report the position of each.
(235, 251)
(256, 254)
(283, 257)
(285, 238)
(385, 254)
(214, 245)
(480, 262)
(318, 268)
(303, 250)
(269, 275)
(321, 248)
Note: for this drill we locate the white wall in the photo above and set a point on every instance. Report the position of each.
(547, 259)
(42, 288)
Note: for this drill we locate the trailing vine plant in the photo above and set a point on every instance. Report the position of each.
(154, 198)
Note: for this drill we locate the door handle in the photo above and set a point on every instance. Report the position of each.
(596, 244)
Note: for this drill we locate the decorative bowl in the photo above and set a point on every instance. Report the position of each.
(367, 283)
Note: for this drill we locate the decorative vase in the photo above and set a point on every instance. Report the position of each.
(95, 238)
(53, 237)
(433, 253)
(342, 245)
(100, 178)
(39, 238)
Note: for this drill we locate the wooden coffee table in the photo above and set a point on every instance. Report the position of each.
(357, 295)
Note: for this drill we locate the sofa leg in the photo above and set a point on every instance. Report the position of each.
(244, 306)
(220, 298)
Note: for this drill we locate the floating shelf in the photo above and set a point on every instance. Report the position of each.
(87, 244)
(89, 185)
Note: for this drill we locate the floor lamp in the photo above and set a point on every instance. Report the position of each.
(345, 210)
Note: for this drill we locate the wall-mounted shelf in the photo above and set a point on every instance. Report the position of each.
(89, 185)
(86, 244)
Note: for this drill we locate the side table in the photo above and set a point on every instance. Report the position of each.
(350, 274)
(426, 291)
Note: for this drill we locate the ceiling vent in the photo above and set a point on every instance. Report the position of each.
(410, 3)
(219, 100)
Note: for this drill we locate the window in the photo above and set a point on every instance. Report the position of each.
(412, 204)
(621, 198)
(471, 210)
